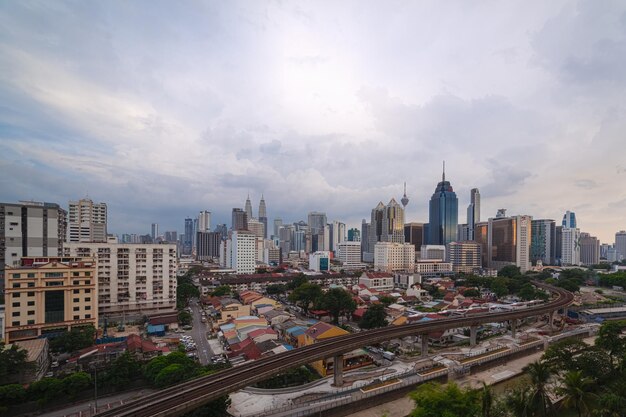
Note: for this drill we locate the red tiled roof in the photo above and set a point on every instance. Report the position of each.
(359, 312)
(256, 333)
(378, 275)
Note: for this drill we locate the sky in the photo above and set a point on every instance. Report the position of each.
(164, 109)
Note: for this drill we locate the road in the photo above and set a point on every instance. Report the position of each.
(182, 398)
(199, 334)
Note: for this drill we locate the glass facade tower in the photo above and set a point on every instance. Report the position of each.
(443, 214)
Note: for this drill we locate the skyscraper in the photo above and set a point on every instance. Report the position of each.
(278, 222)
(620, 243)
(239, 220)
(204, 221)
(317, 224)
(154, 231)
(589, 249)
(87, 221)
(188, 238)
(543, 242)
(248, 208)
(354, 235)
(569, 220)
(393, 223)
(570, 246)
(473, 212)
(443, 213)
(509, 241)
(263, 215)
(414, 234)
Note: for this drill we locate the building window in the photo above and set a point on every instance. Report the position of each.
(31, 285)
(15, 323)
(16, 285)
(88, 299)
(76, 291)
(76, 317)
(87, 274)
(52, 284)
(87, 307)
(31, 303)
(30, 294)
(87, 282)
(55, 306)
(30, 275)
(76, 300)
(16, 295)
(16, 304)
(54, 275)
(16, 275)
(75, 274)
(87, 316)
(16, 314)
(76, 282)
(87, 291)
(31, 322)
(31, 312)
(76, 308)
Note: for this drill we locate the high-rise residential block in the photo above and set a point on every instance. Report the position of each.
(239, 219)
(188, 237)
(257, 228)
(620, 243)
(337, 235)
(443, 214)
(208, 246)
(392, 256)
(204, 221)
(543, 242)
(570, 246)
(154, 231)
(365, 242)
(589, 249)
(87, 221)
(30, 229)
(464, 256)
(239, 252)
(349, 253)
(133, 279)
(509, 240)
(473, 213)
(45, 295)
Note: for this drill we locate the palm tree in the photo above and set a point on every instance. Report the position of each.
(610, 405)
(487, 400)
(576, 392)
(516, 401)
(539, 402)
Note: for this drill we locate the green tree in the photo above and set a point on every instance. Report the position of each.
(374, 317)
(499, 288)
(387, 300)
(338, 302)
(516, 401)
(221, 291)
(76, 383)
(11, 394)
(486, 399)
(171, 374)
(276, 289)
(216, 408)
(185, 317)
(569, 285)
(610, 405)
(12, 362)
(184, 292)
(435, 400)
(539, 402)
(561, 355)
(123, 370)
(305, 295)
(527, 292)
(609, 339)
(576, 392)
(297, 281)
(160, 371)
(471, 293)
(77, 338)
(46, 390)
(594, 363)
(510, 271)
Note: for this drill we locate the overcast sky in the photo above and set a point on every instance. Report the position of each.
(163, 111)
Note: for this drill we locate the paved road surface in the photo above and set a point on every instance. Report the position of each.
(85, 409)
(199, 334)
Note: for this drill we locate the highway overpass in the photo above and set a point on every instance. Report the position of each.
(182, 398)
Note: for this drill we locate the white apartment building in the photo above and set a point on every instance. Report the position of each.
(379, 281)
(433, 252)
(239, 252)
(406, 280)
(132, 278)
(349, 253)
(87, 221)
(391, 256)
(432, 267)
(570, 246)
(319, 261)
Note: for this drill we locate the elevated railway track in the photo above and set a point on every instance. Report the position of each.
(184, 397)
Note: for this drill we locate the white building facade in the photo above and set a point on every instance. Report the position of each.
(391, 256)
(87, 221)
(349, 253)
(570, 246)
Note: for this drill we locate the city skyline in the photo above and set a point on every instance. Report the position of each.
(164, 116)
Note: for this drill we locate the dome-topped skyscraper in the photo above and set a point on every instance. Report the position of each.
(248, 208)
(405, 199)
(443, 213)
(263, 214)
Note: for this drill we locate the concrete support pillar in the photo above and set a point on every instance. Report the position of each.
(338, 370)
(551, 320)
(424, 340)
(473, 331)
(514, 328)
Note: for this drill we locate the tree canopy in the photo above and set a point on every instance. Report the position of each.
(12, 362)
(338, 302)
(305, 295)
(436, 400)
(374, 317)
(77, 338)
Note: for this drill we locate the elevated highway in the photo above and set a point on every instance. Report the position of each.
(182, 398)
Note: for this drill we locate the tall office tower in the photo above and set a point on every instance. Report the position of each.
(204, 221)
(87, 221)
(263, 215)
(375, 232)
(208, 246)
(170, 237)
(256, 227)
(589, 249)
(464, 256)
(443, 214)
(604, 250)
(188, 236)
(317, 222)
(154, 231)
(337, 235)
(463, 232)
(569, 220)
(46, 295)
(481, 236)
(620, 243)
(613, 255)
(558, 244)
(473, 212)
(354, 235)
(248, 208)
(30, 229)
(393, 223)
(194, 234)
(278, 222)
(365, 229)
(243, 252)
(543, 242)
(570, 246)
(239, 220)
(222, 229)
(509, 240)
(133, 279)
(414, 234)
(285, 237)
(299, 240)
